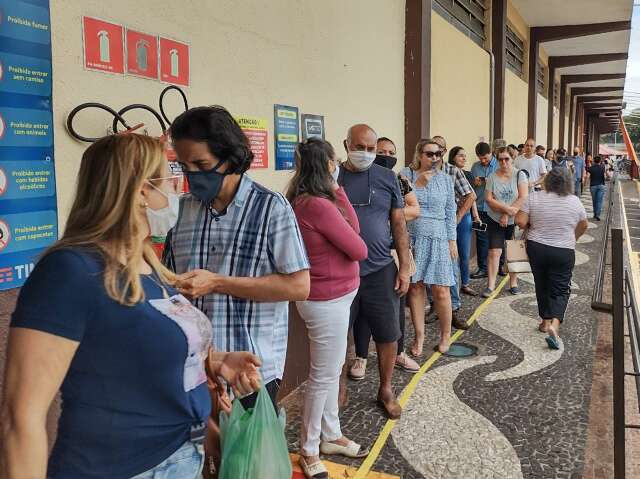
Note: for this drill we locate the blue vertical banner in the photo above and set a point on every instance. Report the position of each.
(28, 211)
(287, 134)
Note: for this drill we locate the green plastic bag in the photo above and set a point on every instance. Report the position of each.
(253, 442)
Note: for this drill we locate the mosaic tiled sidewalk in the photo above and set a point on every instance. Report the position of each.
(516, 410)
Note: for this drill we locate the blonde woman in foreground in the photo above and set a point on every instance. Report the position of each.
(99, 320)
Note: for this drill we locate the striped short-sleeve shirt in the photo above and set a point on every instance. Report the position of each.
(553, 218)
(257, 236)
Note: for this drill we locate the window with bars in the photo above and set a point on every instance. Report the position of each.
(556, 95)
(515, 52)
(541, 71)
(468, 16)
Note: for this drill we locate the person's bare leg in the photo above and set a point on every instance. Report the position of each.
(386, 361)
(513, 280)
(417, 299)
(493, 263)
(554, 328)
(442, 302)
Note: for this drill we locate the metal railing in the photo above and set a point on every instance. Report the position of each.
(625, 307)
(597, 301)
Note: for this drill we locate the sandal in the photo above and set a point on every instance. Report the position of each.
(353, 450)
(553, 340)
(317, 470)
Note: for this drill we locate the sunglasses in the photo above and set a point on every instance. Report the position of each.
(432, 154)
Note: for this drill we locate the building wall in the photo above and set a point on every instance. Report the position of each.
(516, 103)
(460, 88)
(541, 120)
(344, 60)
(246, 56)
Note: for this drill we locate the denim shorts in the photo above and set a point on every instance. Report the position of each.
(185, 463)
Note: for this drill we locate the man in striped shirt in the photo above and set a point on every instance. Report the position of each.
(236, 247)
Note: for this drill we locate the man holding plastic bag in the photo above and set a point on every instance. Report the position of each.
(237, 250)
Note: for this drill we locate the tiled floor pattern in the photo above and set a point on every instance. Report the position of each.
(517, 410)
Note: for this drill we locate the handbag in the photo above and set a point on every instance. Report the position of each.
(412, 262)
(516, 255)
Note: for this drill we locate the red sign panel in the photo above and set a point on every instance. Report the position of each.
(174, 62)
(258, 144)
(103, 46)
(142, 54)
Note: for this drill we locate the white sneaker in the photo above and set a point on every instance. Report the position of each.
(358, 369)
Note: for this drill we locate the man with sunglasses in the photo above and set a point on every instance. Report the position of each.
(375, 194)
(532, 164)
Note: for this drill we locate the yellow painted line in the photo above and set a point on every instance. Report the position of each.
(336, 471)
(376, 449)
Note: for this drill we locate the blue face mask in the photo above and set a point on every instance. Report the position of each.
(205, 185)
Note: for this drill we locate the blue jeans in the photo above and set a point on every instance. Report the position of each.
(578, 190)
(455, 290)
(482, 244)
(185, 463)
(464, 247)
(597, 197)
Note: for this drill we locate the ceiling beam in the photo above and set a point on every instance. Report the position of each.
(556, 62)
(583, 99)
(576, 60)
(565, 81)
(595, 89)
(563, 32)
(570, 79)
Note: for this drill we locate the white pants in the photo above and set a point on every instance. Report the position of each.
(328, 324)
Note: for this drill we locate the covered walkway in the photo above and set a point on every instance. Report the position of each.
(514, 410)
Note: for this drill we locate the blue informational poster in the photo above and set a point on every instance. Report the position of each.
(287, 134)
(28, 212)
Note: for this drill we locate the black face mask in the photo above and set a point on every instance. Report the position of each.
(385, 161)
(205, 185)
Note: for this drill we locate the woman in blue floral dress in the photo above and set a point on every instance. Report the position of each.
(433, 240)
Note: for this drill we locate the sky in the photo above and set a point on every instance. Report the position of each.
(632, 83)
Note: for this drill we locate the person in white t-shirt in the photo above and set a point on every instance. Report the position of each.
(554, 219)
(532, 163)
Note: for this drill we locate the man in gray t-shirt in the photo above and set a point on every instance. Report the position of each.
(532, 163)
(375, 195)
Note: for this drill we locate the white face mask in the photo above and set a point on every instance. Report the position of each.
(335, 173)
(162, 220)
(361, 160)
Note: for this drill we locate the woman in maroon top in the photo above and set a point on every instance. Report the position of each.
(330, 230)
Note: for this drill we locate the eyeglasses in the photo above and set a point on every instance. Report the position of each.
(432, 154)
(168, 184)
(504, 159)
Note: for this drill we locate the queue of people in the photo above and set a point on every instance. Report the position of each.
(346, 243)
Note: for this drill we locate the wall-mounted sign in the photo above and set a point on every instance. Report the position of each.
(286, 132)
(174, 62)
(255, 129)
(312, 126)
(103, 45)
(142, 54)
(28, 215)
